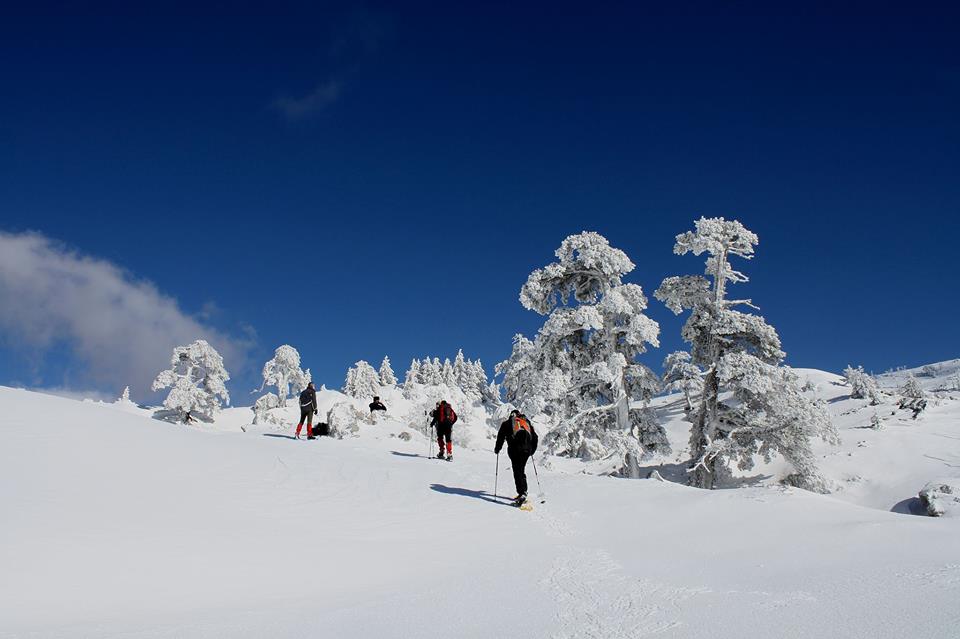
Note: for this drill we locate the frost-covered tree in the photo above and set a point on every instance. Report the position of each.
(262, 408)
(740, 353)
(387, 376)
(125, 397)
(446, 374)
(431, 372)
(680, 375)
(362, 382)
(876, 422)
(862, 385)
(911, 388)
(283, 371)
(594, 332)
(410, 379)
(196, 379)
(463, 374)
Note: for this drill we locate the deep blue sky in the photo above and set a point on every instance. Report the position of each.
(448, 148)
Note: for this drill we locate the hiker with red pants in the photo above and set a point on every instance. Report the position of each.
(522, 442)
(308, 408)
(444, 418)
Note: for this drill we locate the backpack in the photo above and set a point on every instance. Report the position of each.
(522, 438)
(446, 415)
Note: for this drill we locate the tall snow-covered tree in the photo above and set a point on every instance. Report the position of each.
(283, 371)
(681, 375)
(125, 397)
(740, 353)
(431, 372)
(462, 374)
(196, 379)
(594, 332)
(862, 385)
(362, 382)
(446, 374)
(410, 379)
(387, 376)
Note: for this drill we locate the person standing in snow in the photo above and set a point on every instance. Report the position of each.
(517, 431)
(443, 418)
(376, 404)
(308, 408)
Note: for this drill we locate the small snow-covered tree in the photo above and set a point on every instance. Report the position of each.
(911, 388)
(196, 379)
(387, 376)
(262, 408)
(363, 382)
(681, 375)
(283, 371)
(594, 332)
(125, 396)
(862, 385)
(740, 353)
(876, 422)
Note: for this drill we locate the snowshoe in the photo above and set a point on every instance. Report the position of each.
(440, 455)
(450, 457)
(311, 437)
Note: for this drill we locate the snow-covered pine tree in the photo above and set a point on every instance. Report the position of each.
(862, 385)
(410, 379)
(196, 379)
(740, 353)
(387, 376)
(876, 422)
(125, 396)
(462, 373)
(523, 382)
(595, 330)
(283, 371)
(446, 374)
(911, 388)
(363, 382)
(682, 375)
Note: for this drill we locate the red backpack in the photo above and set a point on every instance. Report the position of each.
(446, 415)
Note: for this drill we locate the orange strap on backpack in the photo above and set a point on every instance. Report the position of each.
(520, 422)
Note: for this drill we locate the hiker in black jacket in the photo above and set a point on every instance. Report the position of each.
(308, 408)
(376, 404)
(522, 442)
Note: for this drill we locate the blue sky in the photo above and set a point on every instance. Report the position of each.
(369, 179)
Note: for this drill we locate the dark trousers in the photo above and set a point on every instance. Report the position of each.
(306, 414)
(445, 432)
(519, 461)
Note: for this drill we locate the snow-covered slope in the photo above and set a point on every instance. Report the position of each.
(118, 525)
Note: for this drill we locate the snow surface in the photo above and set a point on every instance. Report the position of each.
(115, 524)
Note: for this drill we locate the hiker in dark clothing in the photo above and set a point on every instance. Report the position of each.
(443, 417)
(308, 408)
(522, 442)
(376, 404)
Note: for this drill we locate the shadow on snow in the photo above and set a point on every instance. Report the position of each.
(476, 494)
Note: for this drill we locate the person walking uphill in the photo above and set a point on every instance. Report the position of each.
(308, 408)
(522, 442)
(444, 418)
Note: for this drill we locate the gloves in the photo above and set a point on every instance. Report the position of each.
(496, 451)
(314, 412)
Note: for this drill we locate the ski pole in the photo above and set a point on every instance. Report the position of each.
(496, 477)
(543, 498)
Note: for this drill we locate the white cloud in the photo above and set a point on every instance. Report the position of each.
(317, 100)
(121, 329)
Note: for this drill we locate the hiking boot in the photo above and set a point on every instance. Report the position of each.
(449, 456)
(311, 436)
(440, 455)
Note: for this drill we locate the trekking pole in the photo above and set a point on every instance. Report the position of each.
(543, 497)
(496, 477)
